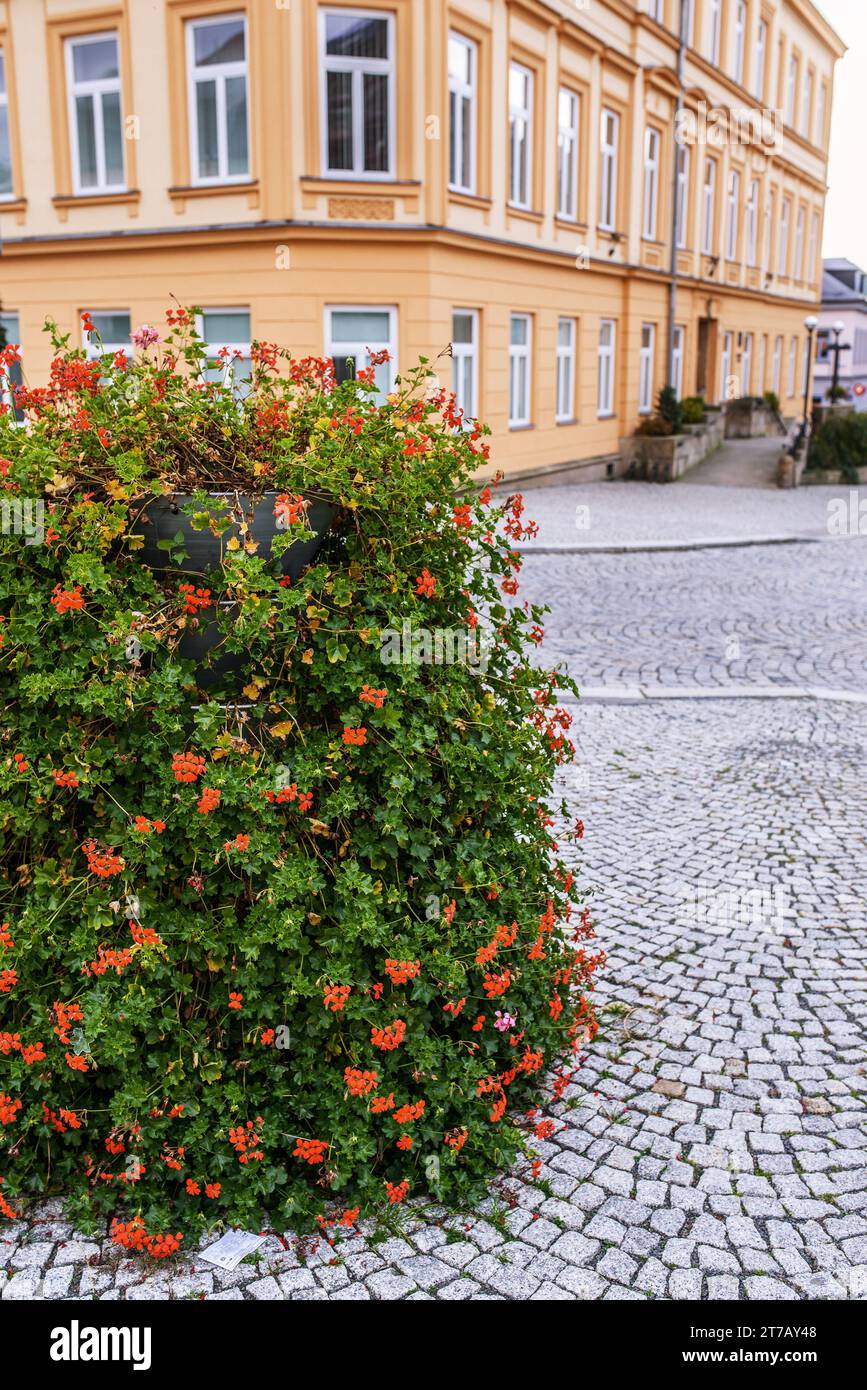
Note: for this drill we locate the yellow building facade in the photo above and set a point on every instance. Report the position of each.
(489, 183)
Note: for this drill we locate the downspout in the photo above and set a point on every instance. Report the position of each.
(672, 284)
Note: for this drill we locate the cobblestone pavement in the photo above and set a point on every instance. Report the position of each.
(713, 1144)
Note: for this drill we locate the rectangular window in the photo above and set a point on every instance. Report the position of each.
(5, 141)
(761, 50)
(10, 332)
(651, 181)
(567, 154)
(778, 363)
(726, 366)
(732, 211)
(463, 69)
(740, 39)
(689, 21)
(791, 90)
(113, 329)
(95, 122)
(609, 134)
(812, 274)
(357, 67)
(747, 365)
(226, 336)
(520, 345)
(763, 352)
(767, 229)
(793, 367)
(353, 332)
(605, 358)
(217, 85)
(799, 244)
(821, 112)
(565, 409)
(682, 194)
(714, 23)
(465, 361)
(708, 214)
(654, 9)
(783, 248)
(807, 104)
(752, 222)
(520, 135)
(805, 383)
(645, 368)
(677, 355)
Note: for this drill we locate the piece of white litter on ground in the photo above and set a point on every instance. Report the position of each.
(231, 1248)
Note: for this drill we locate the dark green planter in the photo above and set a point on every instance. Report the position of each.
(163, 519)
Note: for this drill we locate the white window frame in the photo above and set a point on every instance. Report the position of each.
(714, 30)
(567, 156)
(5, 392)
(821, 114)
(813, 247)
(807, 102)
(358, 67)
(464, 91)
(518, 353)
(608, 152)
(783, 246)
(521, 197)
(708, 206)
(778, 364)
(791, 89)
(752, 226)
(677, 354)
(761, 50)
(763, 354)
(94, 353)
(605, 364)
(767, 229)
(652, 145)
(690, 22)
(241, 345)
(654, 9)
(740, 40)
(361, 348)
(467, 352)
(726, 364)
(800, 229)
(732, 210)
(791, 375)
(4, 106)
(645, 368)
(747, 365)
(96, 90)
(565, 386)
(217, 73)
(682, 196)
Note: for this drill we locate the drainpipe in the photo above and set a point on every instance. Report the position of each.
(672, 286)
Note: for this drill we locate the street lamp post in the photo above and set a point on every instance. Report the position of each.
(837, 347)
(810, 323)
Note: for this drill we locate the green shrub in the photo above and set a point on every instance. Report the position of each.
(840, 443)
(693, 410)
(668, 406)
(654, 426)
(772, 400)
(308, 954)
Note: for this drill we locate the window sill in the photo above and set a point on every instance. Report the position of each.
(527, 214)
(9, 203)
(518, 429)
(354, 183)
(180, 193)
(571, 224)
(469, 200)
(572, 420)
(130, 197)
(605, 415)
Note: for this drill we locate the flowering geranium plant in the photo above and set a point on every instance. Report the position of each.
(301, 942)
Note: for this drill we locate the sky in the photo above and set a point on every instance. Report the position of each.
(846, 208)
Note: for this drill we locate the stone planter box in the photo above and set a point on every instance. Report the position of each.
(821, 413)
(825, 477)
(750, 420)
(665, 458)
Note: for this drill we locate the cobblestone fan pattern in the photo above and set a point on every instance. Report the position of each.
(790, 615)
(713, 1143)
